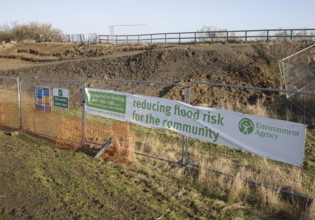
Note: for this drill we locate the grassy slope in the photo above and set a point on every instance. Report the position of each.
(42, 182)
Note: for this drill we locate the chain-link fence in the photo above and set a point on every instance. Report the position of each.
(9, 103)
(55, 109)
(149, 142)
(263, 102)
(46, 105)
(298, 73)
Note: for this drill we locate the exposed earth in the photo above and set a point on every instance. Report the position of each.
(242, 64)
(38, 181)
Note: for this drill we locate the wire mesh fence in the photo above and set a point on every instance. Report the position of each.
(55, 109)
(9, 104)
(149, 142)
(270, 103)
(45, 104)
(298, 75)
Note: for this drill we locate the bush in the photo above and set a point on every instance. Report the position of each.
(211, 33)
(33, 31)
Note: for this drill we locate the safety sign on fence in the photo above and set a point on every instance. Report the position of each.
(275, 139)
(42, 99)
(61, 98)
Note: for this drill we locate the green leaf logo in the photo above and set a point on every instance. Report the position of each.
(246, 126)
(59, 92)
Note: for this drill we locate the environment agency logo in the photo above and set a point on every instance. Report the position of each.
(246, 126)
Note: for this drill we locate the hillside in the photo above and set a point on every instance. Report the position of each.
(71, 185)
(39, 181)
(216, 63)
(241, 64)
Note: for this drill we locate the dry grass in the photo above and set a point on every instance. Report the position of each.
(271, 178)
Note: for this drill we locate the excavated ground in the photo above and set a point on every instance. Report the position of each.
(240, 64)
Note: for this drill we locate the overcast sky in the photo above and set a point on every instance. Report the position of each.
(95, 16)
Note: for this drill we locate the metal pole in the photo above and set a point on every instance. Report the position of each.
(20, 101)
(186, 141)
(313, 45)
(183, 151)
(83, 113)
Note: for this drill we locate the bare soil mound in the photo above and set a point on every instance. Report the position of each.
(241, 64)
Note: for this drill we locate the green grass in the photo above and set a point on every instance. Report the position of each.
(40, 181)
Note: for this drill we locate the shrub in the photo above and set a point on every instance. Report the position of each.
(32, 31)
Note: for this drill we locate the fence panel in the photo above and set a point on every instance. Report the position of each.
(9, 104)
(213, 36)
(255, 101)
(48, 105)
(149, 142)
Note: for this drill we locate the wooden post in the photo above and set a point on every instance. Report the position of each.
(267, 36)
(195, 37)
(245, 36)
(291, 35)
(165, 37)
(227, 36)
(179, 38)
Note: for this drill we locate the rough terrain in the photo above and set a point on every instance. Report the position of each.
(39, 181)
(244, 64)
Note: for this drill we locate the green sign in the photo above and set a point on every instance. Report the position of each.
(61, 98)
(107, 101)
(61, 102)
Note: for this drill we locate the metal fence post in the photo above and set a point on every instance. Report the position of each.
(185, 138)
(83, 112)
(20, 102)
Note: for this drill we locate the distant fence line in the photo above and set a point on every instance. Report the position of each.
(196, 37)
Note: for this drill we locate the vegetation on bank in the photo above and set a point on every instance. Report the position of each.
(33, 31)
(71, 185)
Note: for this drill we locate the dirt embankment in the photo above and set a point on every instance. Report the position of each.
(164, 63)
(242, 64)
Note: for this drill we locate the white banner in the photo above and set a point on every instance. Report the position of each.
(275, 139)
